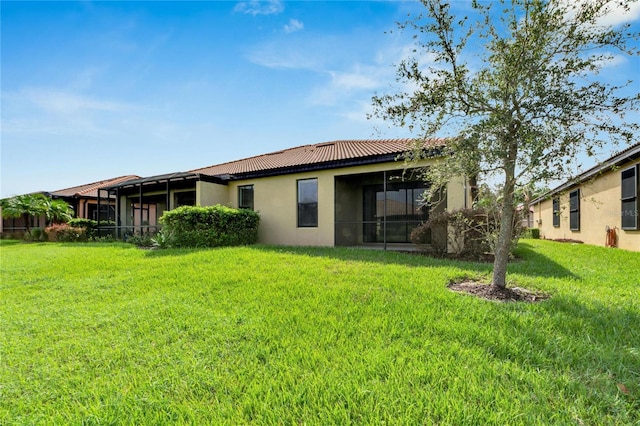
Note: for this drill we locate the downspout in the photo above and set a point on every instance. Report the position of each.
(465, 192)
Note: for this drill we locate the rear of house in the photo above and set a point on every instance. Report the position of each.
(83, 199)
(341, 193)
(600, 207)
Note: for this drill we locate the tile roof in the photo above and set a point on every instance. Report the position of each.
(91, 189)
(326, 152)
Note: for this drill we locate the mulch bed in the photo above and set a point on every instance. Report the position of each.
(567, 240)
(496, 294)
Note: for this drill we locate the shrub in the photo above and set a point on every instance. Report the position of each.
(212, 226)
(38, 234)
(141, 240)
(65, 233)
(91, 226)
(469, 233)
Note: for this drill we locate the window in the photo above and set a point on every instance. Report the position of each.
(396, 215)
(308, 203)
(185, 198)
(629, 198)
(574, 210)
(245, 197)
(556, 212)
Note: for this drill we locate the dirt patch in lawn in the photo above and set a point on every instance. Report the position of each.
(496, 294)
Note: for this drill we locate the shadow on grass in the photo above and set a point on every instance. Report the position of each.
(596, 344)
(529, 261)
(10, 242)
(538, 265)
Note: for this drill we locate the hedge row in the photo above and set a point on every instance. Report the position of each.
(211, 226)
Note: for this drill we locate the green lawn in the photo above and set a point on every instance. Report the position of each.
(110, 334)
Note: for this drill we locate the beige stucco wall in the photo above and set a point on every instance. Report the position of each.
(275, 198)
(209, 194)
(600, 207)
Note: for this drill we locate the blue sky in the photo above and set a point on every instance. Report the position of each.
(94, 90)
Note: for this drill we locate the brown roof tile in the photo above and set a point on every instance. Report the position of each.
(91, 189)
(325, 152)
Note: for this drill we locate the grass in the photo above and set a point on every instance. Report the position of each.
(109, 334)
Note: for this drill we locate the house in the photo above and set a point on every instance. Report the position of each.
(82, 199)
(340, 193)
(15, 226)
(599, 207)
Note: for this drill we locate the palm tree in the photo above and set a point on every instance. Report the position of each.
(24, 206)
(57, 211)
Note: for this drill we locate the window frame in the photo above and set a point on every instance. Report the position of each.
(306, 208)
(574, 210)
(633, 197)
(556, 212)
(249, 189)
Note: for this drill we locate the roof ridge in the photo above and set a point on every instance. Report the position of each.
(88, 186)
(282, 151)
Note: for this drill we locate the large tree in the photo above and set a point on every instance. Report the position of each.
(517, 86)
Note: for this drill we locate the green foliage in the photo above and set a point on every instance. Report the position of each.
(91, 227)
(57, 211)
(141, 240)
(213, 226)
(38, 234)
(468, 233)
(88, 224)
(106, 334)
(533, 233)
(62, 232)
(24, 206)
(530, 103)
(35, 205)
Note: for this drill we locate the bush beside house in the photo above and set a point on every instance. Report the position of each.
(212, 226)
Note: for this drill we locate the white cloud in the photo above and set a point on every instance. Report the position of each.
(66, 103)
(256, 7)
(611, 61)
(618, 15)
(293, 26)
(618, 12)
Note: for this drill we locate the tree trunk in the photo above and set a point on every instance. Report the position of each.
(26, 218)
(503, 245)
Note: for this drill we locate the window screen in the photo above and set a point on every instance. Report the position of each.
(245, 197)
(629, 186)
(308, 203)
(574, 210)
(556, 212)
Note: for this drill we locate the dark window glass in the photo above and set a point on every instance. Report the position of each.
(556, 212)
(187, 198)
(404, 211)
(629, 186)
(574, 210)
(245, 197)
(308, 203)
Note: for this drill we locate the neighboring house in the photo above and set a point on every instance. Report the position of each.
(599, 207)
(527, 219)
(340, 193)
(15, 226)
(83, 199)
